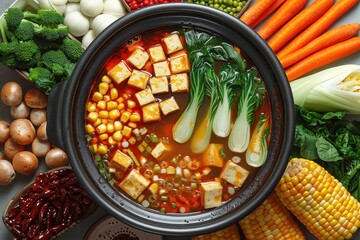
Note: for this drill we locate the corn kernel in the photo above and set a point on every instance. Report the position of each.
(126, 96)
(101, 129)
(127, 131)
(120, 100)
(110, 127)
(91, 107)
(135, 117)
(111, 105)
(154, 188)
(102, 149)
(132, 125)
(112, 141)
(104, 114)
(97, 96)
(103, 136)
(113, 114)
(104, 121)
(106, 79)
(114, 94)
(97, 123)
(101, 105)
(121, 106)
(89, 128)
(95, 148)
(117, 126)
(125, 116)
(117, 136)
(131, 104)
(103, 88)
(93, 117)
(106, 98)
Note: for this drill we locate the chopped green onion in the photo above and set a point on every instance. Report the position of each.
(133, 157)
(154, 138)
(173, 205)
(88, 138)
(183, 180)
(162, 210)
(174, 161)
(222, 153)
(164, 198)
(193, 185)
(176, 185)
(92, 150)
(144, 144)
(147, 138)
(157, 168)
(98, 159)
(141, 148)
(112, 181)
(132, 140)
(151, 164)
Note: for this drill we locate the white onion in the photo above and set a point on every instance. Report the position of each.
(101, 22)
(78, 23)
(91, 8)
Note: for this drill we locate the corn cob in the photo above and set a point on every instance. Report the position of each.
(319, 200)
(229, 233)
(271, 220)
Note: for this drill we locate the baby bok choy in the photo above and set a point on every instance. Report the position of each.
(250, 99)
(257, 151)
(184, 127)
(333, 89)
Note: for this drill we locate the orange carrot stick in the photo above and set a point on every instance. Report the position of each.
(317, 28)
(255, 11)
(269, 11)
(298, 23)
(323, 57)
(327, 39)
(281, 16)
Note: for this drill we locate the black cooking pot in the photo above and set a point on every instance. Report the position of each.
(66, 118)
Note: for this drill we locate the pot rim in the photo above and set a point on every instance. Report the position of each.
(206, 222)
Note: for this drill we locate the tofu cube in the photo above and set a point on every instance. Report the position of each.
(134, 184)
(173, 43)
(144, 97)
(179, 82)
(161, 69)
(180, 64)
(211, 194)
(168, 106)
(138, 79)
(158, 150)
(159, 85)
(138, 58)
(151, 112)
(234, 174)
(119, 73)
(157, 54)
(121, 160)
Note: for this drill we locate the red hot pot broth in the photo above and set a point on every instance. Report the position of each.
(135, 108)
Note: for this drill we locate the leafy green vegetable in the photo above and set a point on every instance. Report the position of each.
(333, 142)
(250, 99)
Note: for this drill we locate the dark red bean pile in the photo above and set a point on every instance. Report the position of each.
(54, 202)
(136, 4)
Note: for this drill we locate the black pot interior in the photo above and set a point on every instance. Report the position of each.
(211, 21)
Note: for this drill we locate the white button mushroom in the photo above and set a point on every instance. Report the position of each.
(25, 162)
(114, 7)
(58, 2)
(101, 22)
(91, 8)
(56, 158)
(88, 38)
(78, 23)
(7, 172)
(4, 131)
(11, 94)
(45, 4)
(22, 131)
(72, 7)
(20, 111)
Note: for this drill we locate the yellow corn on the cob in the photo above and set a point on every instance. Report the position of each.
(319, 200)
(271, 220)
(229, 233)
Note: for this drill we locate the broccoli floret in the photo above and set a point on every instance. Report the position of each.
(45, 17)
(24, 54)
(42, 78)
(46, 45)
(72, 49)
(25, 31)
(13, 17)
(51, 34)
(54, 56)
(25, 51)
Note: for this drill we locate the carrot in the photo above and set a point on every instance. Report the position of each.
(323, 57)
(317, 28)
(327, 39)
(281, 16)
(298, 23)
(255, 11)
(269, 11)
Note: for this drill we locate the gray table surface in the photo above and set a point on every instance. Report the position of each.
(78, 232)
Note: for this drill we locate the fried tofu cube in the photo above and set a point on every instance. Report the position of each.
(168, 106)
(138, 58)
(158, 150)
(179, 82)
(159, 85)
(173, 43)
(161, 69)
(234, 174)
(119, 73)
(211, 156)
(180, 64)
(157, 54)
(121, 160)
(211, 194)
(145, 96)
(138, 79)
(134, 184)
(151, 112)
